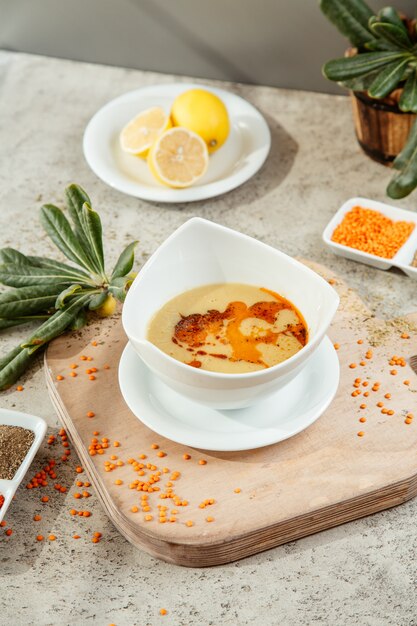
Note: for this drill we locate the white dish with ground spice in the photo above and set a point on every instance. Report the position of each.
(32, 423)
(404, 256)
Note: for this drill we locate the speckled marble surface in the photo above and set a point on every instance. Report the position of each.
(362, 573)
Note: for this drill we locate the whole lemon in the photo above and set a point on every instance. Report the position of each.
(204, 113)
(108, 307)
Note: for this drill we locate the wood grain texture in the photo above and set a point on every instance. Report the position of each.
(322, 477)
(382, 129)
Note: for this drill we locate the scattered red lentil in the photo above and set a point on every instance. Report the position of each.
(361, 433)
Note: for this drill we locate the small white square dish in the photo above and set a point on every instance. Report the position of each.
(401, 259)
(38, 426)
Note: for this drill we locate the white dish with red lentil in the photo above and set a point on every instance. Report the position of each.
(374, 233)
(21, 435)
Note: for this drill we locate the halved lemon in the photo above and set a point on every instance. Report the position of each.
(178, 158)
(140, 134)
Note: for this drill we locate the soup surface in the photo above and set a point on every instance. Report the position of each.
(230, 328)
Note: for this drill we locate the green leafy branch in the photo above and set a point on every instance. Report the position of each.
(386, 60)
(59, 294)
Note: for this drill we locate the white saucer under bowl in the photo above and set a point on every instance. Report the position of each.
(280, 416)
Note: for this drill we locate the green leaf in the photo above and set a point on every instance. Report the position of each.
(28, 300)
(406, 162)
(75, 198)
(408, 100)
(350, 67)
(45, 263)
(391, 16)
(56, 324)
(13, 365)
(388, 79)
(10, 255)
(392, 34)
(380, 45)
(9, 356)
(6, 323)
(407, 152)
(351, 19)
(125, 261)
(94, 234)
(58, 228)
(79, 320)
(120, 286)
(27, 275)
(98, 300)
(361, 83)
(61, 300)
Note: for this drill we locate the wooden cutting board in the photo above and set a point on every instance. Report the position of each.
(326, 475)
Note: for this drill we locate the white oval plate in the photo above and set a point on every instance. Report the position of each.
(280, 416)
(234, 163)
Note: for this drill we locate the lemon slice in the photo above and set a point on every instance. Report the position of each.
(140, 134)
(178, 158)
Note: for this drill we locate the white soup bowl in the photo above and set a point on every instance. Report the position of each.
(201, 252)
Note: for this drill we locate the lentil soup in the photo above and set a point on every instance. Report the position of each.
(229, 328)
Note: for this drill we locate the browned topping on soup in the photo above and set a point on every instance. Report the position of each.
(229, 328)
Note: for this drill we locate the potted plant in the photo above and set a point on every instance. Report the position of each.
(381, 71)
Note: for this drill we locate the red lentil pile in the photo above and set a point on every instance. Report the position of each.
(372, 232)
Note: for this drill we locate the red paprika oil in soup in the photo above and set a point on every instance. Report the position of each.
(230, 327)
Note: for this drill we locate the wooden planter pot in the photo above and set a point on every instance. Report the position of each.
(381, 127)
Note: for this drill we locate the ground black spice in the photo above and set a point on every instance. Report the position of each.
(15, 442)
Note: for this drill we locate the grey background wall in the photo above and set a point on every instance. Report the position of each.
(272, 42)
